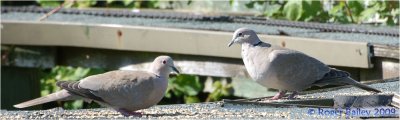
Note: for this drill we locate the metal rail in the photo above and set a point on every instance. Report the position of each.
(216, 18)
(313, 103)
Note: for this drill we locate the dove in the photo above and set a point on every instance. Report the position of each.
(285, 69)
(123, 90)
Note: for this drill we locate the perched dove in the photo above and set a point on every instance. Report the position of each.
(285, 69)
(125, 91)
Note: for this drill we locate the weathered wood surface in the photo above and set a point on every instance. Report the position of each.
(386, 51)
(175, 41)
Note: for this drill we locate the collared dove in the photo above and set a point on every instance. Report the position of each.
(285, 69)
(123, 90)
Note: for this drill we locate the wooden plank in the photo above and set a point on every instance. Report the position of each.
(169, 40)
(136, 60)
(386, 51)
(396, 100)
(18, 85)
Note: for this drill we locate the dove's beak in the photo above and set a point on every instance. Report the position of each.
(230, 44)
(174, 69)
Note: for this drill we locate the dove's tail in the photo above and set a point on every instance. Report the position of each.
(338, 77)
(362, 86)
(57, 96)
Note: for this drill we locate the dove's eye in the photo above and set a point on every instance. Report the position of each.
(164, 62)
(240, 34)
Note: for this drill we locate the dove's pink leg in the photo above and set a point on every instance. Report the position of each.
(279, 95)
(129, 113)
(291, 96)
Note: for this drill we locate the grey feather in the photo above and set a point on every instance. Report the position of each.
(339, 77)
(57, 96)
(74, 88)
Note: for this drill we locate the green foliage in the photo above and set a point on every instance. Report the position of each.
(64, 73)
(67, 3)
(351, 11)
(386, 9)
(347, 11)
(293, 10)
(187, 86)
(273, 10)
(49, 3)
(338, 13)
(84, 3)
(299, 10)
(127, 2)
(110, 3)
(220, 90)
(312, 10)
(190, 87)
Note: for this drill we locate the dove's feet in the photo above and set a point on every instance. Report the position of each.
(279, 95)
(127, 113)
(291, 96)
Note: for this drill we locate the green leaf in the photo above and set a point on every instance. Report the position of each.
(272, 10)
(85, 3)
(312, 9)
(338, 13)
(390, 21)
(356, 7)
(189, 84)
(395, 12)
(250, 4)
(45, 92)
(168, 94)
(337, 9)
(184, 86)
(156, 4)
(293, 10)
(260, 2)
(109, 1)
(191, 99)
(368, 13)
(381, 6)
(189, 2)
(220, 91)
(68, 3)
(137, 4)
(49, 3)
(77, 104)
(127, 2)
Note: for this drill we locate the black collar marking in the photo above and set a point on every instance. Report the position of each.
(259, 43)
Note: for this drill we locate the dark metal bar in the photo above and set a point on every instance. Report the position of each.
(314, 103)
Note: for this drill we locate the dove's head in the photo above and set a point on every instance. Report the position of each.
(163, 65)
(244, 35)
